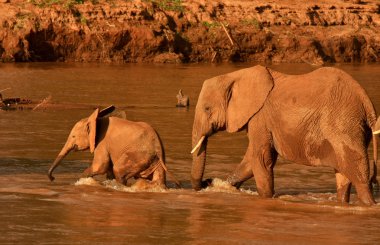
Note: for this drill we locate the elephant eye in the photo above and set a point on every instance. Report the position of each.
(208, 111)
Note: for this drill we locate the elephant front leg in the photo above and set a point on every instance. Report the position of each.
(100, 165)
(262, 156)
(263, 164)
(242, 173)
(91, 171)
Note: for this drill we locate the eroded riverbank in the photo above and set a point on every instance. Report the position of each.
(190, 31)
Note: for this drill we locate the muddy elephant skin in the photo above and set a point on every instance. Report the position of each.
(123, 149)
(322, 118)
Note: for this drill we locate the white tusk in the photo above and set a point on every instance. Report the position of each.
(376, 132)
(198, 144)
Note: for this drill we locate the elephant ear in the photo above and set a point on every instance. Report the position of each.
(248, 92)
(92, 129)
(104, 112)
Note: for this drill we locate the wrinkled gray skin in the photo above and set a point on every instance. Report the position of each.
(123, 149)
(323, 118)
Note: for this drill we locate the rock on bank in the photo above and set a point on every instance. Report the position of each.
(190, 31)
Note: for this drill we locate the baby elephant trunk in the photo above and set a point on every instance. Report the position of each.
(53, 166)
(57, 161)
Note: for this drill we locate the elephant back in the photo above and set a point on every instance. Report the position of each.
(323, 86)
(357, 90)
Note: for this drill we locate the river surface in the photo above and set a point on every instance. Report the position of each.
(74, 210)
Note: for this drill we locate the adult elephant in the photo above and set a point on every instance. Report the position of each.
(323, 118)
(123, 149)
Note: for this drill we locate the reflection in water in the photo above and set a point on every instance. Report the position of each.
(72, 210)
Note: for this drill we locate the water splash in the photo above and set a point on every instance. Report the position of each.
(249, 192)
(139, 186)
(310, 197)
(87, 181)
(218, 185)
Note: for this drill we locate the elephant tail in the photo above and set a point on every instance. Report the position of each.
(161, 159)
(375, 132)
(155, 166)
(177, 183)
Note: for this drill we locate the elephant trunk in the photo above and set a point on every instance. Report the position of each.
(199, 161)
(58, 160)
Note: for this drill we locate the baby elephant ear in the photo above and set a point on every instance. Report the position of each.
(92, 129)
(106, 111)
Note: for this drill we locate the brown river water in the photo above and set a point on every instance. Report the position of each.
(72, 210)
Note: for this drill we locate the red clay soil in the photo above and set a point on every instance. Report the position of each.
(190, 31)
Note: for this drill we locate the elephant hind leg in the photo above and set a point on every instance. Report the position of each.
(126, 171)
(343, 186)
(364, 193)
(123, 176)
(110, 174)
(159, 175)
(358, 174)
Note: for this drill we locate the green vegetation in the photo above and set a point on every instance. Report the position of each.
(171, 5)
(21, 19)
(46, 3)
(79, 17)
(83, 20)
(251, 22)
(168, 5)
(19, 25)
(23, 16)
(210, 24)
(69, 4)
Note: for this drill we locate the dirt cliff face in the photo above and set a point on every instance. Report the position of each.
(190, 31)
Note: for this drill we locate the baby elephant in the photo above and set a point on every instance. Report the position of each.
(123, 149)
